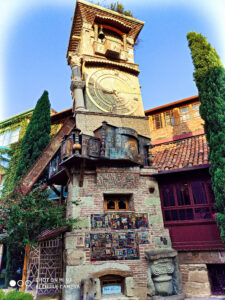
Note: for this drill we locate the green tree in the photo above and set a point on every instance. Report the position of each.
(209, 76)
(118, 7)
(36, 137)
(23, 218)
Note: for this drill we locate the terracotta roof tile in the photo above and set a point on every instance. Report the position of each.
(185, 153)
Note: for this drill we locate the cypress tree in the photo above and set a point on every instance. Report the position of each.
(36, 137)
(209, 76)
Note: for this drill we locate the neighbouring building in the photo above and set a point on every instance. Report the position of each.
(12, 131)
(180, 153)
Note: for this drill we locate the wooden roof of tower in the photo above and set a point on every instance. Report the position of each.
(91, 13)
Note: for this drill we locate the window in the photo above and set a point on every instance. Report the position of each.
(15, 135)
(185, 114)
(5, 159)
(168, 195)
(9, 137)
(183, 196)
(198, 191)
(116, 202)
(112, 284)
(216, 274)
(168, 118)
(195, 110)
(157, 121)
(188, 200)
(4, 138)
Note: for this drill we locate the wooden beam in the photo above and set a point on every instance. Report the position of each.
(70, 176)
(34, 172)
(55, 190)
(82, 168)
(24, 276)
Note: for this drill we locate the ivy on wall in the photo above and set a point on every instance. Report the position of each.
(21, 122)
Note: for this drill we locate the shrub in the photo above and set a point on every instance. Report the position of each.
(2, 295)
(18, 295)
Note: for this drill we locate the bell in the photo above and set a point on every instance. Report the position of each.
(101, 34)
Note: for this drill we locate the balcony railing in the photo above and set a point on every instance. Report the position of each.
(109, 143)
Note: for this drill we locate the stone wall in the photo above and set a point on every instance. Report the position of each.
(87, 122)
(195, 280)
(194, 273)
(91, 201)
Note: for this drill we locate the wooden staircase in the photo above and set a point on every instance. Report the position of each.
(34, 172)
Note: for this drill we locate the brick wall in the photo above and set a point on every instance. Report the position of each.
(179, 128)
(91, 201)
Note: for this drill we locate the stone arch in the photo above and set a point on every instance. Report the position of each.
(118, 272)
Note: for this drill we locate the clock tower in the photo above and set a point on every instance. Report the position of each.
(118, 247)
(104, 75)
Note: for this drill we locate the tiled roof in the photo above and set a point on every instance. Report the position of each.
(148, 112)
(185, 153)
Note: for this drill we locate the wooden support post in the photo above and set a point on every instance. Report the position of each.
(55, 190)
(82, 168)
(96, 32)
(124, 41)
(61, 198)
(69, 175)
(24, 277)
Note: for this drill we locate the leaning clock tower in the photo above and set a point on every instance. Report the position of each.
(104, 75)
(118, 248)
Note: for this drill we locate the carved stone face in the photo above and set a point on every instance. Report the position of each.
(162, 266)
(113, 91)
(162, 271)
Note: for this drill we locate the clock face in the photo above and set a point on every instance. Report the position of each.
(113, 91)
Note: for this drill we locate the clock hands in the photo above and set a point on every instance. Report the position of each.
(112, 92)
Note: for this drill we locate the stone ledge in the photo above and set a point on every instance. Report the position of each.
(160, 253)
(118, 297)
(111, 115)
(174, 297)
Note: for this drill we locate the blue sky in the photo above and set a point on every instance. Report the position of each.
(34, 37)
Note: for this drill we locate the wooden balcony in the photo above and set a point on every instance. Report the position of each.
(110, 145)
(187, 204)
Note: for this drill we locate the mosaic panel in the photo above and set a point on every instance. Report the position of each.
(119, 221)
(114, 246)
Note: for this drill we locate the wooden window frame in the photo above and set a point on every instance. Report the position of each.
(188, 113)
(167, 209)
(113, 278)
(195, 110)
(171, 118)
(154, 127)
(113, 197)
